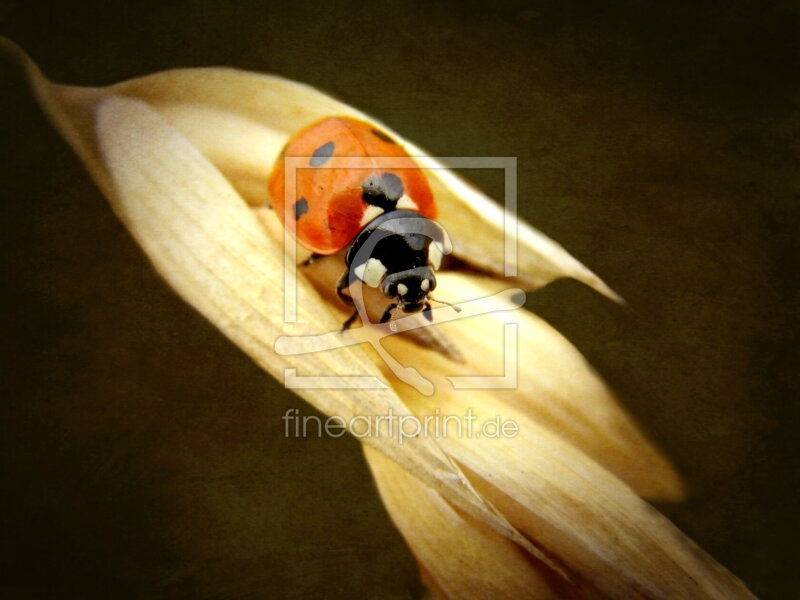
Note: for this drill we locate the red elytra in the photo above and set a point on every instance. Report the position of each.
(327, 204)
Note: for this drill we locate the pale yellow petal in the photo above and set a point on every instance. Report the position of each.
(463, 559)
(555, 386)
(233, 117)
(609, 542)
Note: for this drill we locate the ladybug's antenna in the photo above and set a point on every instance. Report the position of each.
(450, 304)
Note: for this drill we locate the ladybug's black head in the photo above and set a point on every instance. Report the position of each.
(397, 253)
(410, 288)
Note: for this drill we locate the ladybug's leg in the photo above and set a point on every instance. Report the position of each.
(426, 311)
(346, 325)
(311, 259)
(344, 283)
(388, 313)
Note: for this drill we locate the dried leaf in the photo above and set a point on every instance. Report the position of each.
(178, 153)
(609, 542)
(555, 387)
(241, 109)
(485, 566)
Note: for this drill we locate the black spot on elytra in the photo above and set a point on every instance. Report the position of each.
(300, 208)
(322, 154)
(383, 191)
(382, 136)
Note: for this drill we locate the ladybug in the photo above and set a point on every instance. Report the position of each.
(385, 217)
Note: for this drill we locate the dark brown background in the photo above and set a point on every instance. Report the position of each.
(142, 453)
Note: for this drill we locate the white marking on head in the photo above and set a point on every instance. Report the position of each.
(371, 272)
(406, 203)
(435, 254)
(425, 285)
(402, 289)
(371, 213)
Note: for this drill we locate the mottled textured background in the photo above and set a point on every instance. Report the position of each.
(142, 454)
